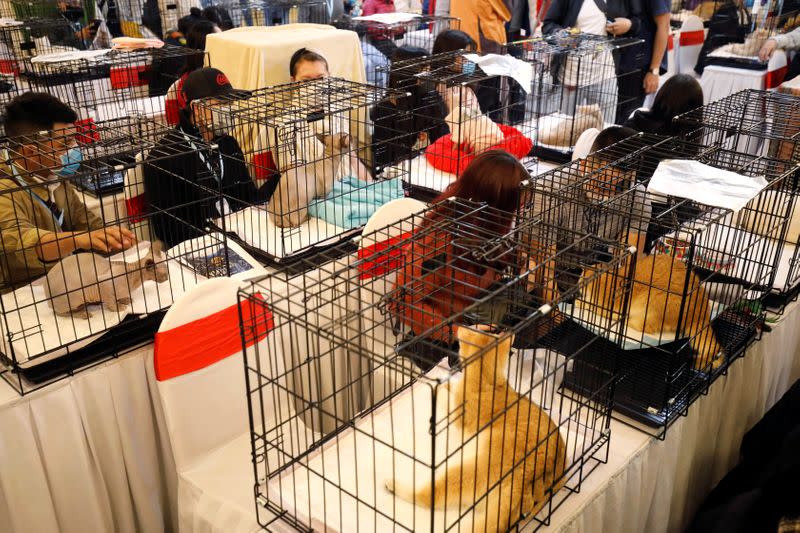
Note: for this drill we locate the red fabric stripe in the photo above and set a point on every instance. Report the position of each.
(670, 42)
(265, 166)
(692, 38)
(171, 111)
(205, 341)
(9, 66)
(136, 208)
(124, 77)
(86, 131)
(775, 78)
(381, 258)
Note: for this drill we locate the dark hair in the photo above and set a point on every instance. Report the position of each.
(32, 112)
(398, 80)
(185, 23)
(612, 135)
(219, 16)
(451, 41)
(492, 178)
(304, 54)
(679, 94)
(196, 39)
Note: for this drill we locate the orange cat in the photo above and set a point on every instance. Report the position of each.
(655, 303)
(520, 453)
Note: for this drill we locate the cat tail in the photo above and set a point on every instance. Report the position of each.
(453, 488)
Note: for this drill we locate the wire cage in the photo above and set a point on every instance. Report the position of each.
(760, 124)
(361, 395)
(696, 296)
(108, 84)
(69, 298)
(584, 83)
(452, 111)
(301, 143)
(280, 12)
(380, 40)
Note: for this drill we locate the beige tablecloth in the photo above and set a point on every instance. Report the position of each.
(257, 57)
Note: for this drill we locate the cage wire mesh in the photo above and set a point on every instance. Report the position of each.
(302, 144)
(108, 84)
(63, 307)
(696, 298)
(368, 378)
(759, 124)
(451, 111)
(380, 41)
(280, 12)
(584, 83)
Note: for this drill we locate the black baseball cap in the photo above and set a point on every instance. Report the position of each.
(207, 82)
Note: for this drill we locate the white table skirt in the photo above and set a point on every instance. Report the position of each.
(86, 454)
(719, 82)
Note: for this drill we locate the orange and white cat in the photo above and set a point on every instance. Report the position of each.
(655, 301)
(520, 456)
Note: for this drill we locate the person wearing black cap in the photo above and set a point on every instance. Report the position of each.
(181, 182)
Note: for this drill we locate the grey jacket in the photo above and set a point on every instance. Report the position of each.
(789, 41)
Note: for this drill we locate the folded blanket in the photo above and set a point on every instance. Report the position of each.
(352, 201)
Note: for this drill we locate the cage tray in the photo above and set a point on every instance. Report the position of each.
(746, 63)
(655, 383)
(319, 503)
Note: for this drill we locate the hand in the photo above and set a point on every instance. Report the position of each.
(650, 83)
(620, 26)
(766, 49)
(106, 240)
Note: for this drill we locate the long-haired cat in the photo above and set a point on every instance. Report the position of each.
(301, 184)
(520, 457)
(655, 302)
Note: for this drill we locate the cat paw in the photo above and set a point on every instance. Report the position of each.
(389, 484)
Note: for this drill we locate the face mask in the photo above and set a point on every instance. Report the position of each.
(70, 162)
(468, 67)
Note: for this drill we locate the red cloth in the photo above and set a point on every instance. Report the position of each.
(445, 156)
(435, 284)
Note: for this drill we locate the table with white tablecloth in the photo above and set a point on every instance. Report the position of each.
(719, 82)
(254, 57)
(86, 454)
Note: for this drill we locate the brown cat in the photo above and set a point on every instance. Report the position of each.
(301, 184)
(514, 432)
(655, 303)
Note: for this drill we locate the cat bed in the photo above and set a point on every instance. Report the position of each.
(39, 335)
(631, 339)
(255, 228)
(352, 201)
(361, 464)
(448, 157)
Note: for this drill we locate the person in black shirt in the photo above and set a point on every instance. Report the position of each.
(182, 179)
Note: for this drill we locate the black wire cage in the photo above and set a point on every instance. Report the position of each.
(380, 41)
(760, 124)
(585, 83)
(112, 83)
(380, 400)
(696, 298)
(452, 111)
(303, 145)
(69, 296)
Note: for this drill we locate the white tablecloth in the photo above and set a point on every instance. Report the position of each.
(719, 82)
(85, 454)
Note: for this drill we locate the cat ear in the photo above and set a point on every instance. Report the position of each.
(344, 140)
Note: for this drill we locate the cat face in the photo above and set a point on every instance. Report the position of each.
(335, 143)
(601, 180)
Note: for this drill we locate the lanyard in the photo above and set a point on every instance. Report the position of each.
(205, 161)
(51, 206)
(222, 205)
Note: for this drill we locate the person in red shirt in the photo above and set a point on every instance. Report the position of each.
(372, 7)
